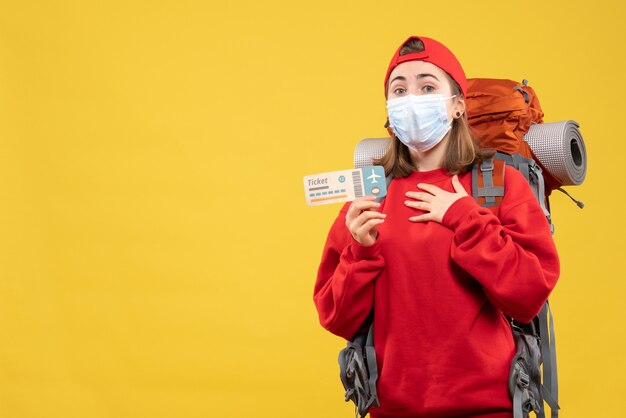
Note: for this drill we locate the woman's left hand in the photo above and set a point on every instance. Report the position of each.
(434, 201)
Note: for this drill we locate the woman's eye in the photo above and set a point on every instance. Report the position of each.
(428, 89)
(399, 91)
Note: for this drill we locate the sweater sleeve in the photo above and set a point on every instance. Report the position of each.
(344, 290)
(512, 255)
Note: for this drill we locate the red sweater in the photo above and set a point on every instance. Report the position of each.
(439, 292)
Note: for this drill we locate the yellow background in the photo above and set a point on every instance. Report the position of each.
(157, 258)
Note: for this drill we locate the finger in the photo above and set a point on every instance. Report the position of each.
(424, 197)
(367, 226)
(430, 188)
(425, 206)
(359, 205)
(422, 218)
(365, 202)
(356, 223)
(458, 187)
(364, 217)
(365, 232)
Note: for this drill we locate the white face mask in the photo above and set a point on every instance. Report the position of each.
(420, 122)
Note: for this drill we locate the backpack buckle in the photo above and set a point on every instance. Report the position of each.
(487, 165)
(523, 379)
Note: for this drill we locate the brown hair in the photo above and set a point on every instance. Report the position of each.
(462, 150)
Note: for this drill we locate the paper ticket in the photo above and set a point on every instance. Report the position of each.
(345, 185)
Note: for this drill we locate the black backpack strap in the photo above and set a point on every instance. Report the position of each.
(372, 368)
(550, 386)
(358, 370)
(524, 376)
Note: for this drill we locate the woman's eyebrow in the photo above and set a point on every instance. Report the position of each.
(401, 78)
(418, 76)
(426, 75)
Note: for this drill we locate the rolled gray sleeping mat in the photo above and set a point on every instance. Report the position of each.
(370, 149)
(558, 146)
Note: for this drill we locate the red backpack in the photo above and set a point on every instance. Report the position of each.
(500, 113)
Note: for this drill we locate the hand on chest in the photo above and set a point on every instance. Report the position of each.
(398, 230)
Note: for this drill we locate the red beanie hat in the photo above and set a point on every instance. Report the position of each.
(435, 53)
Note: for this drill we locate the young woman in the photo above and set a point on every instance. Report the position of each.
(438, 271)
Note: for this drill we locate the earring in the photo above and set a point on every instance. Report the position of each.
(458, 114)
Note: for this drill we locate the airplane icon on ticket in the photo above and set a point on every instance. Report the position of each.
(373, 177)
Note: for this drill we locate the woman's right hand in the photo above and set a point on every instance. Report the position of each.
(362, 220)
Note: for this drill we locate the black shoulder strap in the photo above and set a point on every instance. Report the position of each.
(550, 386)
(372, 367)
